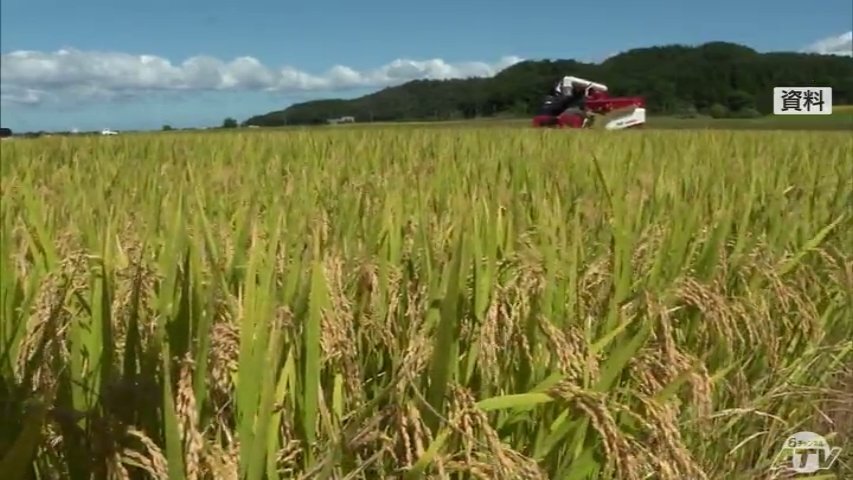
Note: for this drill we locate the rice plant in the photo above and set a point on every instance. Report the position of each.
(393, 303)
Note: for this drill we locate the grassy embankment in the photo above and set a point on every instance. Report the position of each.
(841, 119)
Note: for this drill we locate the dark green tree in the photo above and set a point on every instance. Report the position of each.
(739, 100)
(718, 110)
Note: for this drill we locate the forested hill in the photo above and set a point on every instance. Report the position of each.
(720, 78)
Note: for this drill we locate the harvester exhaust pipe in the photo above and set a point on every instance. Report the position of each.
(569, 82)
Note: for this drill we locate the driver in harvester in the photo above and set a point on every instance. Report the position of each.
(571, 100)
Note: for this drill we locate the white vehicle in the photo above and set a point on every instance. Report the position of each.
(107, 131)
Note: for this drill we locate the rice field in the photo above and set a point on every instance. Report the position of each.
(387, 303)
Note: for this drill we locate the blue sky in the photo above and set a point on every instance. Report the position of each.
(94, 64)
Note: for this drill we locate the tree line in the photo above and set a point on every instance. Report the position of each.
(720, 79)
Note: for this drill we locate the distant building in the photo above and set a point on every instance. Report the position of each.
(107, 131)
(347, 119)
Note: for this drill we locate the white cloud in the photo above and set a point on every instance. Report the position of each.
(32, 77)
(835, 45)
(608, 57)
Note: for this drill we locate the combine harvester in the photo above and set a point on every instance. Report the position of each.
(576, 102)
